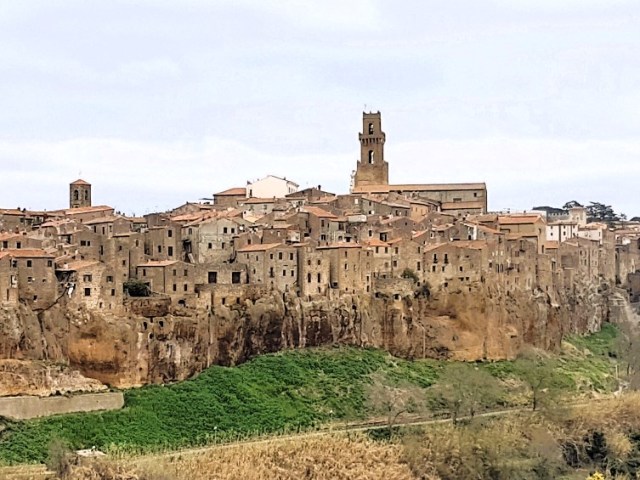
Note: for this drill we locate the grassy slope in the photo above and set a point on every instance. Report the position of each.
(285, 391)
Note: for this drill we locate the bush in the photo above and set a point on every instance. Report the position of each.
(408, 273)
(136, 288)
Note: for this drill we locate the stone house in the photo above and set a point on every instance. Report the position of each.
(92, 284)
(33, 269)
(164, 242)
(454, 264)
(274, 265)
(110, 225)
(532, 227)
(212, 239)
(8, 280)
(350, 267)
(169, 277)
(231, 197)
(313, 271)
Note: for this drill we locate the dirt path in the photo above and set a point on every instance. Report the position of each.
(29, 472)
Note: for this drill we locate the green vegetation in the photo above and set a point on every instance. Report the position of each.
(136, 288)
(288, 391)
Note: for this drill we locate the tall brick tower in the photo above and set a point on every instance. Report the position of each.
(372, 169)
(79, 194)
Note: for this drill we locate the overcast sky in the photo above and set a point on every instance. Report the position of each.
(156, 102)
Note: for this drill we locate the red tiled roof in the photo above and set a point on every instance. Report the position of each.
(27, 253)
(319, 212)
(260, 247)
(232, 192)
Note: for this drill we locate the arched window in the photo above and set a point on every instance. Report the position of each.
(370, 156)
(86, 194)
(371, 129)
(76, 195)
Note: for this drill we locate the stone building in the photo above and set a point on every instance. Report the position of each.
(372, 176)
(372, 168)
(169, 277)
(350, 267)
(274, 265)
(33, 270)
(79, 194)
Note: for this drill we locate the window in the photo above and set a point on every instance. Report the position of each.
(175, 272)
(319, 277)
(5, 244)
(175, 287)
(87, 292)
(169, 233)
(191, 231)
(210, 245)
(18, 245)
(213, 277)
(109, 279)
(113, 292)
(279, 255)
(235, 277)
(29, 279)
(371, 129)
(284, 273)
(308, 278)
(29, 263)
(144, 272)
(224, 230)
(76, 195)
(371, 157)
(186, 273)
(49, 263)
(291, 256)
(170, 251)
(159, 248)
(87, 278)
(186, 287)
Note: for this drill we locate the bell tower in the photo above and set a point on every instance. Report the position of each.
(372, 168)
(79, 194)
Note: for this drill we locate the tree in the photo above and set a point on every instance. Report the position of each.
(627, 349)
(571, 204)
(393, 400)
(599, 212)
(542, 378)
(136, 288)
(408, 273)
(464, 389)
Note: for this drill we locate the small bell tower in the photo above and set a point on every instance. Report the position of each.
(79, 194)
(372, 168)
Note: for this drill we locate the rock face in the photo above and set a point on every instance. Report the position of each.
(156, 342)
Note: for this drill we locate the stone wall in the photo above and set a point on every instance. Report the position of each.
(24, 408)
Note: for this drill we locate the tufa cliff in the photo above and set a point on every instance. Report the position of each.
(153, 341)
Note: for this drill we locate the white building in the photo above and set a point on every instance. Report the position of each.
(270, 187)
(561, 231)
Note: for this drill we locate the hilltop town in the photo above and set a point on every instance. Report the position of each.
(420, 269)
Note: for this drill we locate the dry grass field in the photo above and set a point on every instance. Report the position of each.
(332, 457)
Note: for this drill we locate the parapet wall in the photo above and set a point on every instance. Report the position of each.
(24, 408)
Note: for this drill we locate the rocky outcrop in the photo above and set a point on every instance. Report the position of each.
(477, 322)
